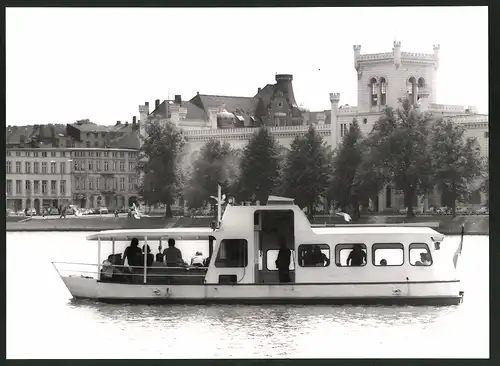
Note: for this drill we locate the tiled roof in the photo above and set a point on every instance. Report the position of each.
(266, 94)
(128, 141)
(194, 112)
(236, 105)
(14, 133)
(161, 111)
(90, 127)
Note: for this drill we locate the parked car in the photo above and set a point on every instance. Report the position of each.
(416, 210)
(10, 212)
(431, 210)
(31, 212)
(462, 211)
(443, 210)
(483, 211)
(102, 210)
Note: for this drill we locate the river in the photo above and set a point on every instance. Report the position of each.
(44, 322)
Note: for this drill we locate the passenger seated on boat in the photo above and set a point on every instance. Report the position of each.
(206, 262)
(107, 268)
(133, 254)
(159, 259)
(197, 260)
(357, 257)
(150, 257)
(173, 256)
(424, 260)
(283, 262)
(383, 262)
(318, 258)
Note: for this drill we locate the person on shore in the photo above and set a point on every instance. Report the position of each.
(173, 256)
(283, 262)
(197, 260)
(62, 211)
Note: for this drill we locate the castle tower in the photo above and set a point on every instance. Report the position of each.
(334, 100)
(383, 78)
(357, 53)
(396, 51)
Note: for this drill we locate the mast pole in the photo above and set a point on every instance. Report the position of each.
(219, 203)
(98, 258)
(145, 258)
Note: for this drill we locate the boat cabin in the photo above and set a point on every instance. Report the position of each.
(244, 246)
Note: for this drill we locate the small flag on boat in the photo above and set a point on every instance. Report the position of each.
(459, 249)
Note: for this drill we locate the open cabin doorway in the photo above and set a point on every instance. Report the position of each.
(271, 227)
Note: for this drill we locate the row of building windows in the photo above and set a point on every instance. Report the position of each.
(37, 154)
(36, 187)
(114, 154)
(105, 184)
(38, 168)
(53, 154)
(82, 165)
(233, 253)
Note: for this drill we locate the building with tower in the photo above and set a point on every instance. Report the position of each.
(382, 79)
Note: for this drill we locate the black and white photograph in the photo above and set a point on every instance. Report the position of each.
(247, 183)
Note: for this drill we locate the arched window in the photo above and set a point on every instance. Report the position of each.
(373, 91)
(421, 82)
(412, 90)
(383, 91)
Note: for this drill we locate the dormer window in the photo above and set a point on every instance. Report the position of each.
(373, 93)
(383, 91)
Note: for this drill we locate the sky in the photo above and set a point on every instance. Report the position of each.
(66, 64)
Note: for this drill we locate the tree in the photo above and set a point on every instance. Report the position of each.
(259, 167)
(456, 161)
(398, 145)
(159, 164)
(485, 184)
(305, 174)
(214, 165)
(345, 164)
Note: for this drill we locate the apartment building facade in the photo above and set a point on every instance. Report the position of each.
(37, 178)
(104, 177)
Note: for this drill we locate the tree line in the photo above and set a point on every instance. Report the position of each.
(413, 151)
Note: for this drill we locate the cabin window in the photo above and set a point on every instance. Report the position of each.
(232, 254)
(314, 255)
(272, 255)
(420, 255)
(388, 254)
(347, 256)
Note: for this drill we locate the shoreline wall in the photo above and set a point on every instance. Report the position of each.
(474, 225)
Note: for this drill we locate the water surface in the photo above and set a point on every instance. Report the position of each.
(44, 322)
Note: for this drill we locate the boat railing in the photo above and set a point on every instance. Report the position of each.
(86, 269)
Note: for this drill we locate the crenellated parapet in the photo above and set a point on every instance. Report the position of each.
(334, 98)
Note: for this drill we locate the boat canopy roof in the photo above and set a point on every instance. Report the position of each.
(154, 234)
(381, 230)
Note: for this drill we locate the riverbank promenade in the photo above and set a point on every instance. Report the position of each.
(474, 224)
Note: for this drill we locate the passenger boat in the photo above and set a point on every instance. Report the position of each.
(243, 248)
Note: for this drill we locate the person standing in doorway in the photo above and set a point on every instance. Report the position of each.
(283, 262)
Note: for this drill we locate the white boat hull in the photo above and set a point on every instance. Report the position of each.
(411, 293)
